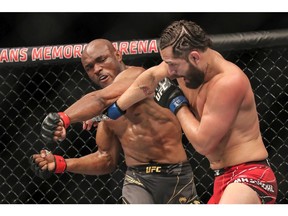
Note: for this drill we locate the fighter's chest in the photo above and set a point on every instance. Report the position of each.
(197, 99)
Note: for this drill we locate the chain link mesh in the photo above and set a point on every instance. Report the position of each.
(28, 94)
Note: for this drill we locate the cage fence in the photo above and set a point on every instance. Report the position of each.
(34, 84)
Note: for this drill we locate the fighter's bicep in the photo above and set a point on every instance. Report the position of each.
(107, 141)
(220, 111)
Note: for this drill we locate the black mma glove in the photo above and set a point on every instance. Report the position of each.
(114, 111)
(169, 95)
(50, 123)
(60, 166)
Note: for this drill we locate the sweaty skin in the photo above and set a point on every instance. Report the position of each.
(221, 122)
(225, 125)
(143, 86)
(147, 133)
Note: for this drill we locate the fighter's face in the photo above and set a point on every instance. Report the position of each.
(101, 65)
(179, 67)
(194, 77)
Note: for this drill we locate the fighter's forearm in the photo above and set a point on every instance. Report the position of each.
(138, 91)
(92, 164)
(200, 136)
(142, 87)
(86, 108)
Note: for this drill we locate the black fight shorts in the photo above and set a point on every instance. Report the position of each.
(160, 184)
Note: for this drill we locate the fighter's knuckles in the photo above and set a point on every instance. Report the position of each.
(41, 164)
(38, 160)
(61, 123)
(50, 121)
(46, 135)
(53, 118)
(35, 156)
(58, 133)
(43, 151)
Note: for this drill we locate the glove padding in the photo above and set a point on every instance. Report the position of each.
(114, 111)
(44, 174)
(169, 95)
(48, 126)
(50, 123)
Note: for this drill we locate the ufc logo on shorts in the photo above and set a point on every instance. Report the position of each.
(152, 169)
(163, 85)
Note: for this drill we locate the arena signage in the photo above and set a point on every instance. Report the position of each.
(132, 48)
(136, 47)
(70, 51)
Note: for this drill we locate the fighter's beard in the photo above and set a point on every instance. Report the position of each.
(195, 78)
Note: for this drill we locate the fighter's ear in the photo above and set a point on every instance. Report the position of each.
(194, 57)
(118, 55)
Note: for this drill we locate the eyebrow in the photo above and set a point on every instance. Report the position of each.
(169, 62)
(99, 58)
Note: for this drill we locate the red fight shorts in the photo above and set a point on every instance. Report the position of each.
(258, 175)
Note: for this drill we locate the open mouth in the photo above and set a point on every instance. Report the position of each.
(103, 78)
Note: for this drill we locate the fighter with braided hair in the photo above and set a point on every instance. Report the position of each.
(220, 119)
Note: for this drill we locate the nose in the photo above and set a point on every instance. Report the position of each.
(97, 68)
(172, 72)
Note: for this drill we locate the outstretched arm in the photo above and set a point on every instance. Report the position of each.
(143, 86)
(54, 125)
(95, 102)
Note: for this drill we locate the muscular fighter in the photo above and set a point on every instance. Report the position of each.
(158, 170)
(216, 109)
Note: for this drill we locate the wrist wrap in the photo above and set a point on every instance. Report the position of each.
(60, 164)
(177, 103)
(114, 111)
(65, 118)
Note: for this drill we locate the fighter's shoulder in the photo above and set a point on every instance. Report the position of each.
(134, 69)
(131, 72)
(236, 81)
(236, 77)
(162, 66)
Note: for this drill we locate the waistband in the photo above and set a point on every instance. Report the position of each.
(158, 168)
(219, 172)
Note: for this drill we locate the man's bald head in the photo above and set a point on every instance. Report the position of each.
(99, 43)
(102, 62)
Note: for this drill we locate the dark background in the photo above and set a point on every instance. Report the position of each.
(33, 29)
(25, 99)
(27, 94)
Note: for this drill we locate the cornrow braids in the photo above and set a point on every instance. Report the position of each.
(184, 36)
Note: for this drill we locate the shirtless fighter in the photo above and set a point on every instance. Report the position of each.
(216, 109)
(150, 136)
